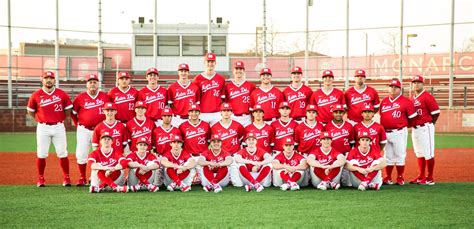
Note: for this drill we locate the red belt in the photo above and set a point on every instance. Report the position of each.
(87, 127)
(50, 123)
(422, 125)
(393, 130)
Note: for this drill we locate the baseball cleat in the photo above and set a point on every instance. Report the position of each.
(81, 182)
(171, 187)
(207, 188)
(294, 186)
(258, 187)
(217, 188)
(185, 188)
(135, 188)
(123, 189)
(387, 181)
(417, 180)
(430, 182)
(400, 180)
(248, 188)
(335, 185)
(322, 185)
(41, 182)
(67, 181)
(285, 186)
(363, 186)
(374, 186)
(94, 189)
(152, 188)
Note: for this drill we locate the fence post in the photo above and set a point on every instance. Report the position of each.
(465, 96)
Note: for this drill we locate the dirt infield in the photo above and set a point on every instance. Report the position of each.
(452, 165)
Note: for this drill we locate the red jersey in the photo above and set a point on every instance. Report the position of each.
(87, 110)
(238, 96)
(49, 107)
(258, 155)
(195, 136)
(137, 129)
(181, 96)
(426, 106)
(125, 102)
(119, 135)
(155, 99)
(265, 136)
(294, 160)
(283, 130)
(231, 135)
(212, 92)
(181, 159)
(356, 101)
(269, 100)
(325, 158)
(324, 102)
(297, 98)
(375, 130)
(307, 136)
(161, 138)
(357, 158)
(210, 156)
(111, 159)
(146, 160)
(394, 114)
(342, 135)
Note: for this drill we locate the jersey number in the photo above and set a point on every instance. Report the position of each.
(131, 106)
(245, 99)
(396, 114)
(58, 107)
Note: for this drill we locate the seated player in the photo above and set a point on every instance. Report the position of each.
(326, 164)
(143, 167)
(289, 167)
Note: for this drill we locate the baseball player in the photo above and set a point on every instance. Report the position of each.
(376, 131)
(140, 126)
(230, 132)
(179, 166)
(283, 127)
(326, 97)
(181, 95)
(237, 94)
(162, 134)
(358, 96)
(342, 132)
(297, 94)
(124, 96)
(326, 164)
(263, 131)
(211, 86)
(267, 96)
(289, 167)
(154, 96)
(195, 131)
(307, 133)
(143, 167)
(365, 164)
(395, 111)
(215, 163)
(423, 130)
(107, 166)
(254, 165)
(49, 106)
(118, 130)
(87, 114)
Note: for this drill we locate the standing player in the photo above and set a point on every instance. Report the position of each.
(115, 127)
(365, 164)
(326, 164)
(154, 96)
(263, 131)
(267, 96)
(181, 95)
(195, 131)
(162, 134)
(423, 130)
(395, 110)
(307, 133)
(140, 126)
(254, 165)
(284, 127)
(237, 94)
(143, 167)
(49, 107)
(124, 97)
(211, 86)
(326, 97)
(289, 167)
(230, 132)
(375, 130)
(297, 95)
(87, 114)
(358, 96)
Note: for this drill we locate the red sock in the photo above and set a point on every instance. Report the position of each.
(41, 165)
(319, 172)
(64, 162)
(430, 163)
(359, 176)
(246, 174)
(209, 175)
(143, 178)
(263, 173)
(183, 176)
(221, 174)
(421, 167)
(296, 176)
(332, 174)
(371, 176)
(173, 175)
(82, 170)
(389, 170)
(105, 179)
(285, 177)
(400, 170)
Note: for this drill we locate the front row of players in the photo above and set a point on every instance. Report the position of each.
(254, 167)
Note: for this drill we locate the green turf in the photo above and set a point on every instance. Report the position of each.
(442, 205)
(26, 142)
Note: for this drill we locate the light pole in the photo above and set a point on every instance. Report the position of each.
(408, 40)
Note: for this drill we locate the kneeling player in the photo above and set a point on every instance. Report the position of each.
(106, 166)
(365, 164)
(326, 164)
(215, 164)
(143, 167)
(254, 165)
(289, 167)
(179, 166)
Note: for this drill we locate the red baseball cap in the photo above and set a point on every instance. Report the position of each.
(105, 133)
(183, 67)
(92, 77)
(418, 78)
(239, 64)
(327, 73)
(152, 70)
(48, 74)
(194, 107)
(109, 106)
(360, 72)
(250, 135)
(215, 137)
(296, 69)
(364, 135)
(288, 141)
(226, 107)
(311, 107)
(284, 104)
(167, 112)
(210, 56)
(140, 104)
(325, 135)
(257, 107)
(176, 138)
(123, 75)
(143, 140)
(396, 83)
(368, 107)
(265, 71)
(338, 107)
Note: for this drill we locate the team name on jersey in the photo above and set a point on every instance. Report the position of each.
(194, 133)
(163, 139)
(116, 133)
(283, 133)
(311, 134)
(185, 94)
(109, 162)
(297, 96)
(229, 134)
(125, 98)
(96, 103)
(140, 132)
(262, 134)
(264, 98)
(356, 99)
(49, 101)
(181, 162)
(387, 108)
(238, 93)
(293, 162)
(326, 101)
(154, 97)
(417, 103)
(366, 161)
(339, 134)
(208, 86)
(326, 160)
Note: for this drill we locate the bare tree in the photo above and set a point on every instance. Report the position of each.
(392, 42)
(467, 45)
